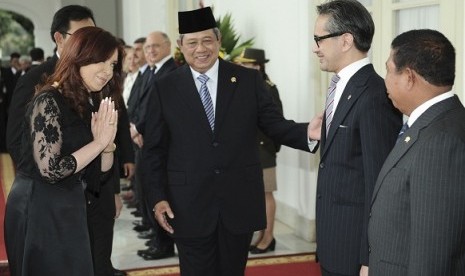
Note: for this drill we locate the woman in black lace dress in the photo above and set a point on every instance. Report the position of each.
(69, 148)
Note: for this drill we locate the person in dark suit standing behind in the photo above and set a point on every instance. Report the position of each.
(66, 20)
(157, 49)
(37, 57)
(417, 224)
(358, 129)
(11, 74)
(265, 242)
(202, 171)
(8, 79)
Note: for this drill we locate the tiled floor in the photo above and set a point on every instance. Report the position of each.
(126, 244)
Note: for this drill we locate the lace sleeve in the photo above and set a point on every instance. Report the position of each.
(47, 139)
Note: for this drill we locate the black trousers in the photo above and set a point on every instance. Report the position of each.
(220, 253)
(139, 191)
(100, 221)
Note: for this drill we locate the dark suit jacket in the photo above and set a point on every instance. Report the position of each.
(139, 102)
(267, 147)
(133, 97)
(124, 150)
(417, 226)
(22, 94)
(205, 175)
(363, 131)
(9, 80)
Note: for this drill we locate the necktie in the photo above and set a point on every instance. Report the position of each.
(404, 128)
(330, 102)
(207, 100)
(150, 75)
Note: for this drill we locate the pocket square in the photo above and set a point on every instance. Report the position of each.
(343, 126)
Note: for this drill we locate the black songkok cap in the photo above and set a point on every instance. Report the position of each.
(196, 20)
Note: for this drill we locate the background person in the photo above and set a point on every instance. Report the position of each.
(255, 59)
(37, 56)
(157, 50)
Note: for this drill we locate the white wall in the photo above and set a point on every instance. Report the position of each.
(142, 17)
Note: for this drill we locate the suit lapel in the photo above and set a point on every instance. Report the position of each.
(353, 90)
(411, 136)
(167, 67)
(227, 83)
(190, 95)
(400, 148)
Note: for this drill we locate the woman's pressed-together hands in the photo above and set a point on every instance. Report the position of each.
(104, 123)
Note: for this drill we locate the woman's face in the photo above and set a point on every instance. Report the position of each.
(96, 75)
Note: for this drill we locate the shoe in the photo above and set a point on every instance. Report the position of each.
(147, 234)
(136, 213)
(117, 272)
(137, 222)
(159, 253)
(149, 250)
(150, 242)
(269, 248)
(141, 228)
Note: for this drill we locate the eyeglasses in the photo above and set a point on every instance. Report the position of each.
(67, 33)
(320, 38)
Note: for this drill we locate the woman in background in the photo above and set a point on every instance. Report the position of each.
(255, 59)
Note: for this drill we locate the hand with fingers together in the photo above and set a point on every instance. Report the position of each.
(104, 123)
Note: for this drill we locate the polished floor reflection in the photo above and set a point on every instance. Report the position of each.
(126, 244)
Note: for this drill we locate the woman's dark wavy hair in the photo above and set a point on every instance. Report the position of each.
(87, 45)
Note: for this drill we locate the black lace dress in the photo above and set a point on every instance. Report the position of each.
(45, 221)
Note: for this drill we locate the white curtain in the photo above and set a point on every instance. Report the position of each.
(416, 18)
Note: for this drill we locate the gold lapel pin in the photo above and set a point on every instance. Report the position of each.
(407, 139)
(233, 79)
(350, 96)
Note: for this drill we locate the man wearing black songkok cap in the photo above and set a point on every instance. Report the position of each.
(204, 177)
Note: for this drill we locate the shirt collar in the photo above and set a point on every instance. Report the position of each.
(143, 67)
(424, 106)
(347, 72)
(161, 62)
(212, 73)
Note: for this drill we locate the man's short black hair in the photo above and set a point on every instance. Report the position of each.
(63, 16)
(14, 55)
(37, 54)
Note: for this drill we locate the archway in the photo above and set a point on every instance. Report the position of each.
(40, 13)
(16, 33)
